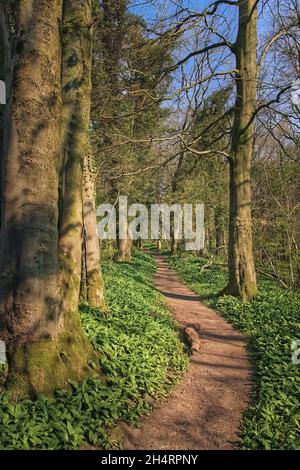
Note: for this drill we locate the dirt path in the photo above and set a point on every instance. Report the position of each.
(204, 411)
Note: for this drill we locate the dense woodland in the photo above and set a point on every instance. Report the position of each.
(164, 102)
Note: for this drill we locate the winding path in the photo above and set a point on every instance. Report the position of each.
(204, 410)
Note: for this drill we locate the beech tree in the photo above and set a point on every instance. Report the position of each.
(92, 286)
(242, 275)
(45, 142)
(78, 231)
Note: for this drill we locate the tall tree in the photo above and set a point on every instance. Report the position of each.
(2, 105)
(242, 276)
(92, 285)
(38, 286)
(77, 215)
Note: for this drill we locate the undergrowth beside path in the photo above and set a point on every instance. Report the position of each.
(141, 357)
(271, 321)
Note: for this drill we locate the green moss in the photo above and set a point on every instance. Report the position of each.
(45, 366)
(123, 259)
(245, 293)
(95, 290)
(37, 367)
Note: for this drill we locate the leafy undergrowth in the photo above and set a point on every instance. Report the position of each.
(141, 357)
(271, 321)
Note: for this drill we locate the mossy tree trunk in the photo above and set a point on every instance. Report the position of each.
(174, 245)
(124, 249)
(2, 107)
(210, 234)
(92, 282)
(242, 276)
(74, 137)
(219, 229)
(124, 245)
(139, 244)
(174, 187)
(78, 229)
(38, 312)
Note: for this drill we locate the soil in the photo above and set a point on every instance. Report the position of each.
(204, 411)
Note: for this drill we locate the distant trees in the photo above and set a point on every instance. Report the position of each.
(276, 214)
(212, 132)
(126, 102)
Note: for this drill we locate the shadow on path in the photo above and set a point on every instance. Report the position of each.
(205, 409)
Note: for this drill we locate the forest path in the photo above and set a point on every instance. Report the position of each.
(204, 410)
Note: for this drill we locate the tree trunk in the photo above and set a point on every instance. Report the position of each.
(219, 230)
(174, 245)
(2, 108)
(45, 343)
(91, 274)
(76, 57)
(176, 176)
(242, 276)
(139, 244)
(124, 249)
(78, 234)
(210, 233)
(206, 242)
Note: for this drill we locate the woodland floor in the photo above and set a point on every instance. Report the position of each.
(205, 409)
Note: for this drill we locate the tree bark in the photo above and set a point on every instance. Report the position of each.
(139, 244)
(174, 244)
(219, 230)
(242, 275)
(79, 243)
(2, 108)
(124, 249)
(210, 233)
(175, 180)
(38, 320)
(92, 286)
(76, 57)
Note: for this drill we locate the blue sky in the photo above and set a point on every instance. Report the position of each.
(152, 10)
